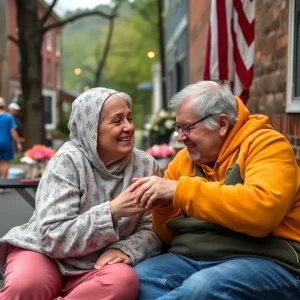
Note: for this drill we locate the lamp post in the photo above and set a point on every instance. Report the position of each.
(162, 52)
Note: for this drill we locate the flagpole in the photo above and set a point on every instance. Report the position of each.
(162, 53)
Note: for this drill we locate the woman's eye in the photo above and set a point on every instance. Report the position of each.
(117, 121)
(129, 119)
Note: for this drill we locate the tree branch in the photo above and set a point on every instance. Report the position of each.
(48, 12)
(88, 69)
(76, 17)
(101, 62)
(13, 39)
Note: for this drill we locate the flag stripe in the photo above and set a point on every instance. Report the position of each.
(246, 27)
(223, 40)
(230, 44)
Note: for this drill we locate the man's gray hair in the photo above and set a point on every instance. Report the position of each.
(210, 98)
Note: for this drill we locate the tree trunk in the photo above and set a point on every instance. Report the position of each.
(30, 44)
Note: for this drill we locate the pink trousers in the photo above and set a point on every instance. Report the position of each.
(32, 276)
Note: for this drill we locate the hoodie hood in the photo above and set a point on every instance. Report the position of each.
(244, 126)
(83, 126)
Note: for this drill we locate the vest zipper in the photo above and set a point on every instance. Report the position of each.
(295, 252)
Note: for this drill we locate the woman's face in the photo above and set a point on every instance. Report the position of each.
(115, 131)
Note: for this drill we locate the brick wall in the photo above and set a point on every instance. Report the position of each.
(199, 13)
(268, 90)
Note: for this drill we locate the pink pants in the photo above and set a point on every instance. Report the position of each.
(31, 275)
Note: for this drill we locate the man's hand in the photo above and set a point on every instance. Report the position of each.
(112, 256)
(153, 191)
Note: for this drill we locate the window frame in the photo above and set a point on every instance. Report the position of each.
(58, 44)
(293, 103)
(49, 41)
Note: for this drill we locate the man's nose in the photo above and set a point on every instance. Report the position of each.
(181, 136)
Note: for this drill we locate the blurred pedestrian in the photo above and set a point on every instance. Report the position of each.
(14, 109)
(8, 133)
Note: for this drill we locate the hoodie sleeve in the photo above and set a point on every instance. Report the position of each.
(142, 244)
(271, 181)
(61, 229)
(162, 215)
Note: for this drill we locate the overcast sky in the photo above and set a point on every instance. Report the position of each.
(63, 5)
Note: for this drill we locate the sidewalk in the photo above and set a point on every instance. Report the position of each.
(14, 210)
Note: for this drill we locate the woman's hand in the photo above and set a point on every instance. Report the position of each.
(153, 191)
(112, 256)
(125, 206)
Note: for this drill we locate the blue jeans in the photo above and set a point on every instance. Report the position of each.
(172, 276)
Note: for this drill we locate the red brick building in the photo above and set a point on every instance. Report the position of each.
(10, 62)
(275, 90)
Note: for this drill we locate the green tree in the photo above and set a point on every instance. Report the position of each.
(30, 37)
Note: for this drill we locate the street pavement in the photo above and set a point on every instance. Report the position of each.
(14, 210)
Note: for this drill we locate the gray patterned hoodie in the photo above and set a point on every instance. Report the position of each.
(72, 222)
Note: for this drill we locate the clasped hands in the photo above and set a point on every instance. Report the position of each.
(144, 194)
(153, 191)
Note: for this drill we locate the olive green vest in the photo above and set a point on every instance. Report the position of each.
(199, 239)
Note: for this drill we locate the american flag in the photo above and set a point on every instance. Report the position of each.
(230, 45)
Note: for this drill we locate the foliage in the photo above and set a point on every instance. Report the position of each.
(160, 127)
(127, 63)
(62, 125)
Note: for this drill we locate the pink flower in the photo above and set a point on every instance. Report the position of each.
(161, 151)
(40, 153)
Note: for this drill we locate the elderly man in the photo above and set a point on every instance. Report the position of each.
(229, 205)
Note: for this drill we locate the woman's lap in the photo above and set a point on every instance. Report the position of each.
(31, 275)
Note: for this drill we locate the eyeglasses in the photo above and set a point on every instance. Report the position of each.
(186, 129)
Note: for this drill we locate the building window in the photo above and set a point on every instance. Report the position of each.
(49, 72)
(48, 109)
(58, 43)
(58, 76)
(293, 80)
(49, 41)
(296, 71)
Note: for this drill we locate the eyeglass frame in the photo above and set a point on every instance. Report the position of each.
(176, 125)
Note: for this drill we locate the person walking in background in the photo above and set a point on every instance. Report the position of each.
(8, 134)
(14, 109)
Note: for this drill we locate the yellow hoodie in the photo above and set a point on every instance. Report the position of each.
(266, 203)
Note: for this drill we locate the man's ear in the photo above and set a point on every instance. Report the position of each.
(224, 125)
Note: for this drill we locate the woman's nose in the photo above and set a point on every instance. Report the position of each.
(128, 125)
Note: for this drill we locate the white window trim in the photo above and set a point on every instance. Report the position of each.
(52, 94)
(49, 41)
(182, 25)
(292, 105)
(58, 41)
(58, 76)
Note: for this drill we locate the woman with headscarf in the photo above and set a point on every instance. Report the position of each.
(86, 231)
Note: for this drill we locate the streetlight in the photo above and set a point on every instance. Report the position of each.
(77, 71)
(151, 54)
